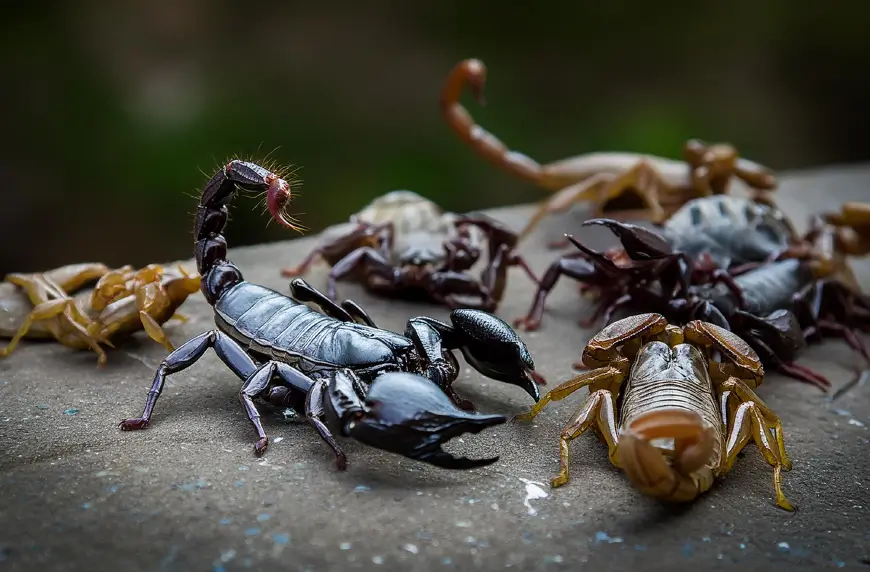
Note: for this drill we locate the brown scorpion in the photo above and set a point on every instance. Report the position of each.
(674, 418)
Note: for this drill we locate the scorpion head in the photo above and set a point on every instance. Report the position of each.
(407, 414)
(494, 349)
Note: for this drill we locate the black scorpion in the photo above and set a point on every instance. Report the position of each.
(336, 368)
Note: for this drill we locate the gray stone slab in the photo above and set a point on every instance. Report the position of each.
(187, 494)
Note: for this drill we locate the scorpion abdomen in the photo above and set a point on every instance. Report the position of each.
(665, 378)
(277, 326)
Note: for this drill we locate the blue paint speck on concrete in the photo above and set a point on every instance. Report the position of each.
(839, 563)
(240, 483)
(87, 506)
(362, 489)
(219, 568)
(783, 546)
(243, 467)
(687, 549)
(742, 546)
(253, 531)
(42, 406)
(446, 561)
(70, 411)
(263, 517)
(602, 536)
(281, 538)
(113, 489)
(226, 521)
(198, 484)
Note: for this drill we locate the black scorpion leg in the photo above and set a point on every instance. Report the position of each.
(255, 385)
(294, 379)
(367, 257)
(356, 312)
(314, 412)
(305, 292)
(791, 369)
(848, 334)
(189, 353)
(574, 265)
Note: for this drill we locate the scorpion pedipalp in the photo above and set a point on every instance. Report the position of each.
(640, 243)
(493, 348)
(407, 414)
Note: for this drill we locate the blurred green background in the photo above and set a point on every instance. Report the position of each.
(115, 114)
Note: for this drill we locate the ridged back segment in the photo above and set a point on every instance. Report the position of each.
(672, 378)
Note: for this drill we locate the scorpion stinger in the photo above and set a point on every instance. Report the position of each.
(319, 363)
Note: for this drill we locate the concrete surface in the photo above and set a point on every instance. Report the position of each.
(188, 495)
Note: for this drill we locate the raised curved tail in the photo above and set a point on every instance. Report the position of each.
(472, 72)
(688, 474)
(218, 273)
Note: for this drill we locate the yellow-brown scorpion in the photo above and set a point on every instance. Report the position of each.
(123, 301)
(674, 418)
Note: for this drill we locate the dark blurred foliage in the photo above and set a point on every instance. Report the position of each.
(115, 113)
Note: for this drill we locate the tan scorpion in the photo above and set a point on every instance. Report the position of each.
(122, 301)
(674, 419)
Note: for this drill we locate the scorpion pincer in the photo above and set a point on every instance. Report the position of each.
(336, 369)
(673, 416)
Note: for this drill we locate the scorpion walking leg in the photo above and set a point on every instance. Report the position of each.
(585, 190)
(185, 356)
(305, 292)
(151, 300)
(599, 406)
(314, 412)
(367, 257)
(260, 381)
(348, 242)
(789, 368)
(598, 409)
(572, 265)
(51, 309)
(815, 299)
(753, 419)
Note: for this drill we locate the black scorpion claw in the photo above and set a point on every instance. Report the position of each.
(494, 349)
(640, 243)
(409, 415)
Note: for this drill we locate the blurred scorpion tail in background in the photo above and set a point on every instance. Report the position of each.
(628, 185)
(472, 72)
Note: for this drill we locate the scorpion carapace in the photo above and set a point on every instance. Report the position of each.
(777, 306)
(322, 363)
(122, 302)
(609, 180)
(404, 245)
(675, 406)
